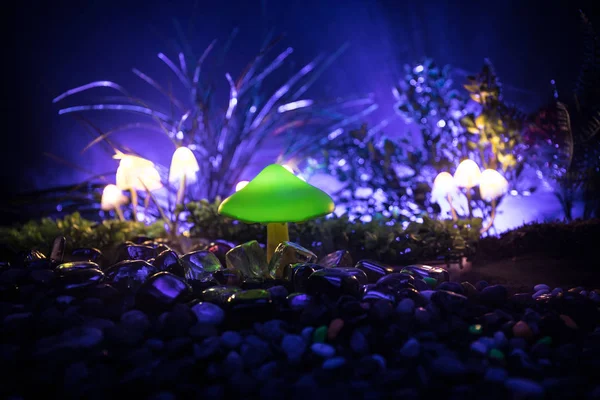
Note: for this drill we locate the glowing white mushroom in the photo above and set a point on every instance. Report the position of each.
(443, 188)
(467, 174)
(492, 185)
(184, 168)
(113, 198)
(136, 173)
(443, 185)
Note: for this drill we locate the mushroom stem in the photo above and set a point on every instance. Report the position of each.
(469, 207)
(181, 191)
(276, 233)
(134, 203)
(492, 217)
(452, 210)
(119, 213)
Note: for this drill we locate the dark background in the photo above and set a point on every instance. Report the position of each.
(63, 44)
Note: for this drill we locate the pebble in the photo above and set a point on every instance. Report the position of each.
(319, 334)
(451, 287)
(405, 307)
(500, 340)
(541, 286)
(568, 321)
(495, 375)
(449, 367)
(494, 295)
(135, 320)
(294, 347)
(422, 316)
(231, 339)
(102, 329)
(380, 360)
(307, 333)
(522, 330)
(524, 388)
(322, 349)
(298, 301)
(334, 362)
(358, 342)
(208, 313)
(479, 347)
(496, 354)
(335, 326)
(411, 348)
(476, 329)
(427, 294)
(75, 338)
(207, 348)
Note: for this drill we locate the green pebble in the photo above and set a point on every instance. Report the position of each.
(497, 354)
(319, 335)
(475, 329)
(432, 282)
(545, 340)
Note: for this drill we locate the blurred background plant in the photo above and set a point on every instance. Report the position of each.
(224, 137)
(563, 138)
(385, 177)
(392, 178)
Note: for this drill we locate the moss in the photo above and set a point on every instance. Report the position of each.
(79, 232)
(379, 239)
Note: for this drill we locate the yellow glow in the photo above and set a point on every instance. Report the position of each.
(183, 163)
(137, 173)
(492, 185)
(240, 185)
(112, 197)
(467, 174)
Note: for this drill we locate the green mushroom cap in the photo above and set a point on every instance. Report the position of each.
(277, 195)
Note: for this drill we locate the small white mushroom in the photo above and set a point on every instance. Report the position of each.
(184, 167)
(113, 198)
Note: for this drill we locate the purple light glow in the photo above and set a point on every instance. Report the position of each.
(294, 105)
(174, 68)
(88, 86)
(122, 107)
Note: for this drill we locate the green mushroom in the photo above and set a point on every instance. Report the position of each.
(275, 197)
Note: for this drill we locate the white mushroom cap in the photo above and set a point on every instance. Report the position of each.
(112, 197)
(443, 185)
(467, 174)
(492, 185)
(183, 163)
(137, 173)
